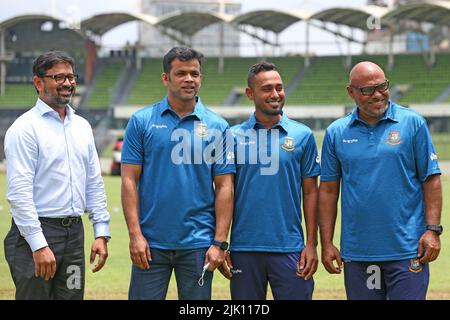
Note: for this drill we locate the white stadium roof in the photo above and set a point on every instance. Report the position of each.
(102, 23)
(188, 23)
(351, 17)
(437, 12)
(272, 20)
(11, 22)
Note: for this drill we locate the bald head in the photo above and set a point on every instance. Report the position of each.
(363, 71)
(370, 90)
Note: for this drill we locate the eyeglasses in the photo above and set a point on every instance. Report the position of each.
(60, 78)
(370, 90)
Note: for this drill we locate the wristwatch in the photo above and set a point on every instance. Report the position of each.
(436, 228)
(104, 237)
(222, 245)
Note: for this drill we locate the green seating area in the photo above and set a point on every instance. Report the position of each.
(426, 83)
(19, 90)
(323, 84)
(106, 80)
(215, 87)
(327, 78)
(148, 88)
(18, 96)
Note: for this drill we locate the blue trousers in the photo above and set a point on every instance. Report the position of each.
(152, 284)
(393, 280)
(253, 271)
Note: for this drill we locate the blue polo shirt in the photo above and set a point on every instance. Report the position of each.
(382, 169)
(267, 212)
(179, 159)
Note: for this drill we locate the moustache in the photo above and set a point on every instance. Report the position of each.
(70, 88)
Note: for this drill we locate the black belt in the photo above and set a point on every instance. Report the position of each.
(66, 222)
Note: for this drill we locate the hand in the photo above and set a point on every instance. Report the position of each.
(329, 254)
(215, 257)
(140, 252)
(100, 248)
(308, 261)
(44, 263)
(226, 266)
(431, 242)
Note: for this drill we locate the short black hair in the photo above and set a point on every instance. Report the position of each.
(259, 67)
(182, 54)
(48, 59)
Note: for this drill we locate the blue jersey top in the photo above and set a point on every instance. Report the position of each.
(382, 168)
(267, 212)
(179, 159)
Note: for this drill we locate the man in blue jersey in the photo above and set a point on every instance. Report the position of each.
(383, 156)
(177, 186)
(276, 167)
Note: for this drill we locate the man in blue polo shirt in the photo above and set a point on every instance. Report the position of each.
(276, 166)
(177, 186)
(391, 194)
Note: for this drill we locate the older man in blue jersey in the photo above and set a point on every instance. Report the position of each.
(383, 156)
(276, 168)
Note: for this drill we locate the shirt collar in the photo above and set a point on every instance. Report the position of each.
(389, 114)
(44, 108)
(283, 123)
(199, 109)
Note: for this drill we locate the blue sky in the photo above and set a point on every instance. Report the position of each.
(323, 43)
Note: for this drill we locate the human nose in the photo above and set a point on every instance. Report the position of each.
(189, 78)
(274, 93)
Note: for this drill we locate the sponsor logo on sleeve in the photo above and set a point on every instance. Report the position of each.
(433, 156)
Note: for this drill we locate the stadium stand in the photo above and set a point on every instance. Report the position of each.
(215, 87)
(109, 73)
(325, 81)
(19, 90)
(18, 96)
(322, 84)
(148, 88)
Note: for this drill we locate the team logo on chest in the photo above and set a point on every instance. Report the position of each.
(288, 144)
(393, 138)
(201, 130)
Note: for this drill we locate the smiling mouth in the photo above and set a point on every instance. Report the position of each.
(274, 104)
(378, 101)
(65, 91)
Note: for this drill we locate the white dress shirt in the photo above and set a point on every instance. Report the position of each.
(53, 171)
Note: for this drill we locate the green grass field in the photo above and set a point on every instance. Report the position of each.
(112, 282)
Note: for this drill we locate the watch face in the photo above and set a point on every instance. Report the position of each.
(224, 246)
(436, 228)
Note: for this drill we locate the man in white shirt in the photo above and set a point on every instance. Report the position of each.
(53, 176)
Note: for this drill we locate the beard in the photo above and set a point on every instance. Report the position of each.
(271, 111)
(58, 98)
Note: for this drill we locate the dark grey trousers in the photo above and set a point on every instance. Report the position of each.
(67, 244)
